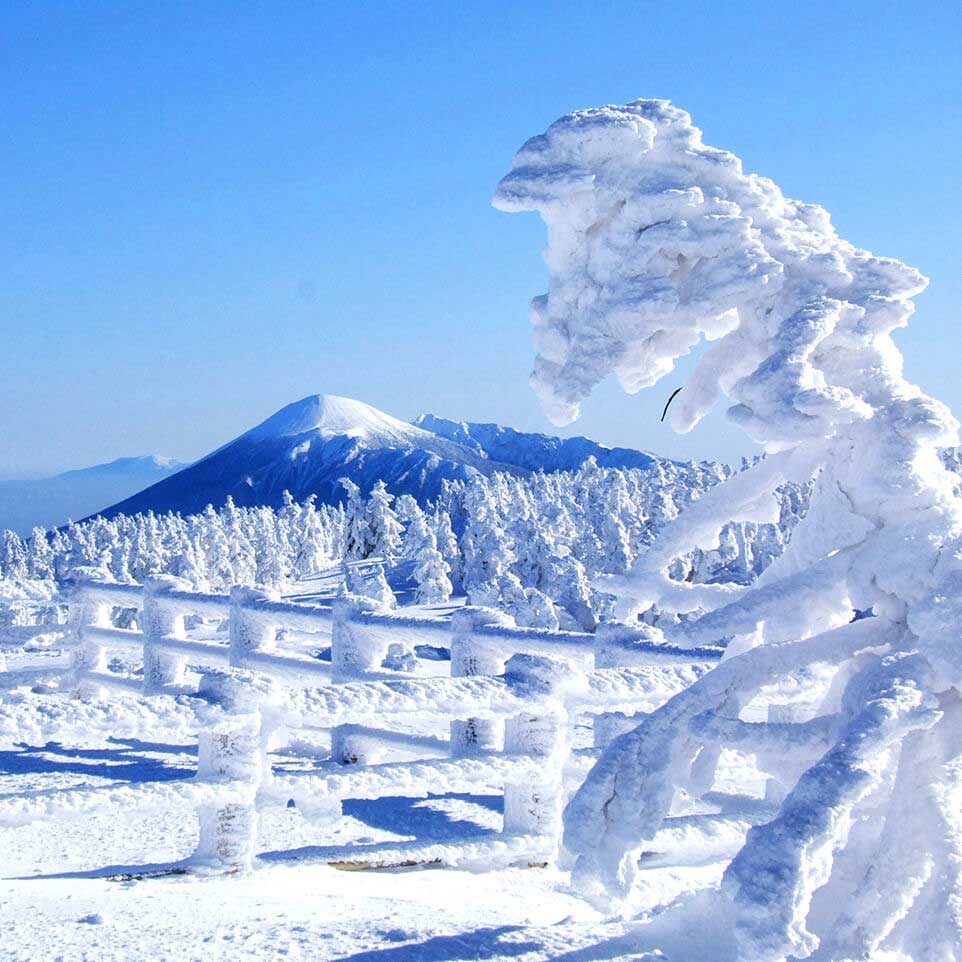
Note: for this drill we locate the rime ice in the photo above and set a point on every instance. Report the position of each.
(656, 243)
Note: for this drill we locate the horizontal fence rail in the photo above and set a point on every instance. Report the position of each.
(509, 699)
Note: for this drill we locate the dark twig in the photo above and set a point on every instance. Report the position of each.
(672, 398)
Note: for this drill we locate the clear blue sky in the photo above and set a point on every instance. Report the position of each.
(211, 209)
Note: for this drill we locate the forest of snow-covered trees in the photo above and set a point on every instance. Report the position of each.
(530, 546)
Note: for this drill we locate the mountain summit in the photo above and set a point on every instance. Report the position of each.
(330, 415)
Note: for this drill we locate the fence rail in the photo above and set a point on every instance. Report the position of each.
(510, 700)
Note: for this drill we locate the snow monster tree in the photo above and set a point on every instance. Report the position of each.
(656, 242)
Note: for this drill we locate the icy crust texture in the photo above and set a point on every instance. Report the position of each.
(655, 242)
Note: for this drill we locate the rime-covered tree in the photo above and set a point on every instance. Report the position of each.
(13, 557)
(384, 529)
(488, 551)
(524, 538)
(370, 581)
(357, 531)
(431, 574)
(416, 534)
(656, 242)
(447, 544)
(312, 541)
(40, 556)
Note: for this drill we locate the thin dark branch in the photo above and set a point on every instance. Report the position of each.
(672, 398)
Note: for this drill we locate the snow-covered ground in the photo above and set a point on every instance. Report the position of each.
(56, 901)
(108, 886)
(111, 885)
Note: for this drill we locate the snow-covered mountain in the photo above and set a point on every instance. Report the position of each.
(308, 446)
(532, 451)
(50, 502)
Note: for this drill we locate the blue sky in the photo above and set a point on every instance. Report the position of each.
(211, 209)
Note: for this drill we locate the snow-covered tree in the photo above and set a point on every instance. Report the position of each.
(186, 563)
(357, 533)
(447, 544)
(657, 242)
(312, 542)
(520, 539)
(40, 556)
(369, 581)
(416, 534)
(431, 574)
(384, 529)
(13, 557)
(406, 508)
(242, 561)
(270, 555)
(536, 611)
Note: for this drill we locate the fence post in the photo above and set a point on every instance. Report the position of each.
(89, 654)
(354, 652)
(159, 622)
(471, 657)
(616, 647)
(249, 631)
(230, 748)
(533, 805)
(793, 713)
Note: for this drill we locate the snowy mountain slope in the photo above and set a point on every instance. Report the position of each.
(533, 451)
(306, 448)
(50, 502)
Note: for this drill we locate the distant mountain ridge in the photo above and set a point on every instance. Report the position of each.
(308, 446)
(72, 495)
(531, 451)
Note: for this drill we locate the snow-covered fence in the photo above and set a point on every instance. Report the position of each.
(534, 698)
(243, 709)
(510, 702)
(253, 617)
